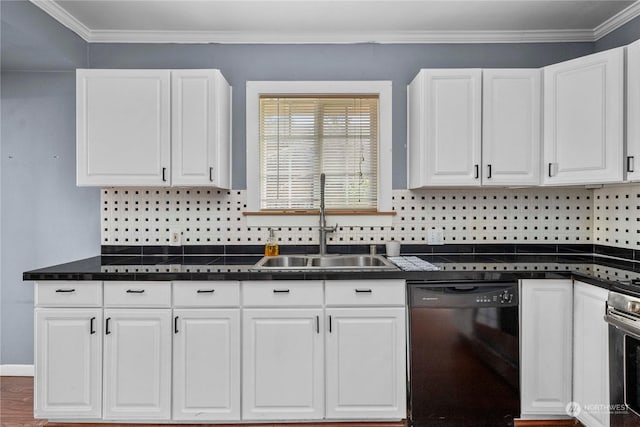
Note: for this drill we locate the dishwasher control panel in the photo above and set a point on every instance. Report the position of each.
(463, 295)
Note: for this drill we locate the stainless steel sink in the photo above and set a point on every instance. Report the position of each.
(284, 261)
(328, 262)
(346, 261)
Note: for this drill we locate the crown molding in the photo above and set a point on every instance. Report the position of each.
(64, 17)
(242, 37)
(404, 37)
(617, 20)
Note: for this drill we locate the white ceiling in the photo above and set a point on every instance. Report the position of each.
(340, 21)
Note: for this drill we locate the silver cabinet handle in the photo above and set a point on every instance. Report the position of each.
(630, 162)
(211, 174)
(164, 174)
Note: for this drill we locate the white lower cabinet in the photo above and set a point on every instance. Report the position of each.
(365, 362)
(207, 352)
(546, 318)
(137, 364)
(206, 364)
(591, 355)
(282, 354)
(68, 353)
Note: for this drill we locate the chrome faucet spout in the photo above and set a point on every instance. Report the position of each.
(323, 220)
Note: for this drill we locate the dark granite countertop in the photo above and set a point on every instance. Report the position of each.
(603, 271)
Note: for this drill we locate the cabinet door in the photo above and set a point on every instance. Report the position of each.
(206, 364)
(591, 355)
(68, 363)
(366, 363)
(583, 119)
(511, 127)
(445, 128)
(122, 123)
(137, 364)
(200, 128)
(545, 352)
(633, 111)
(282, 364)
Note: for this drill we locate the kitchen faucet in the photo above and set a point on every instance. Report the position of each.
(324, 229)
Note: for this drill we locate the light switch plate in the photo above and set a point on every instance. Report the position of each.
(435, 237)
(175, 237)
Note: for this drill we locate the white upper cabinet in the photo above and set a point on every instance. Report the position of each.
(444, 129)
(152, 128)
(471, 127)
(122, 124)
(633, 111)
(583, 119)
(200, 128)
(511, 126)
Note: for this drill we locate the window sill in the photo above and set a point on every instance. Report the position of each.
(310, 218)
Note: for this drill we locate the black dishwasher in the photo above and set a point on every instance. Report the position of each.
(464, 354)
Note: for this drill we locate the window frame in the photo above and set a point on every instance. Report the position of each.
(380, 88)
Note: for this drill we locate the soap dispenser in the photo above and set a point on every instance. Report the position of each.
(271, 248)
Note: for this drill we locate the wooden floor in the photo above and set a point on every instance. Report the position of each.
(16, 410)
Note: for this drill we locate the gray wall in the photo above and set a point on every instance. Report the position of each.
(399, 63)
(44, 218)
(624, 35)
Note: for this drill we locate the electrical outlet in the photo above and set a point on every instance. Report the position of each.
(175, 237)
(435, 237)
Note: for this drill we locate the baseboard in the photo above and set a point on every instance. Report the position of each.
(16, 370)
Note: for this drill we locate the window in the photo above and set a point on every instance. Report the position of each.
(303, 136)
(296, 130)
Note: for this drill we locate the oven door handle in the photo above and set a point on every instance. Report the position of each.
(623, 322)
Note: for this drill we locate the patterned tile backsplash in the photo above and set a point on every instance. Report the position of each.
(144, 216)
(607, 216)
(616, 216)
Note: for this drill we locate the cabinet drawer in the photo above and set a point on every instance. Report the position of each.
(365, 292)
(137, 294)
(299, 293)
(206, 294)
(68, 294)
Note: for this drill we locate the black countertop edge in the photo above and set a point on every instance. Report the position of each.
(414, 276)
(456, 268)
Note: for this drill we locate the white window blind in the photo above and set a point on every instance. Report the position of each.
(303, 136)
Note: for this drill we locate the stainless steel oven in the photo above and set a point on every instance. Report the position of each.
(623, 316)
